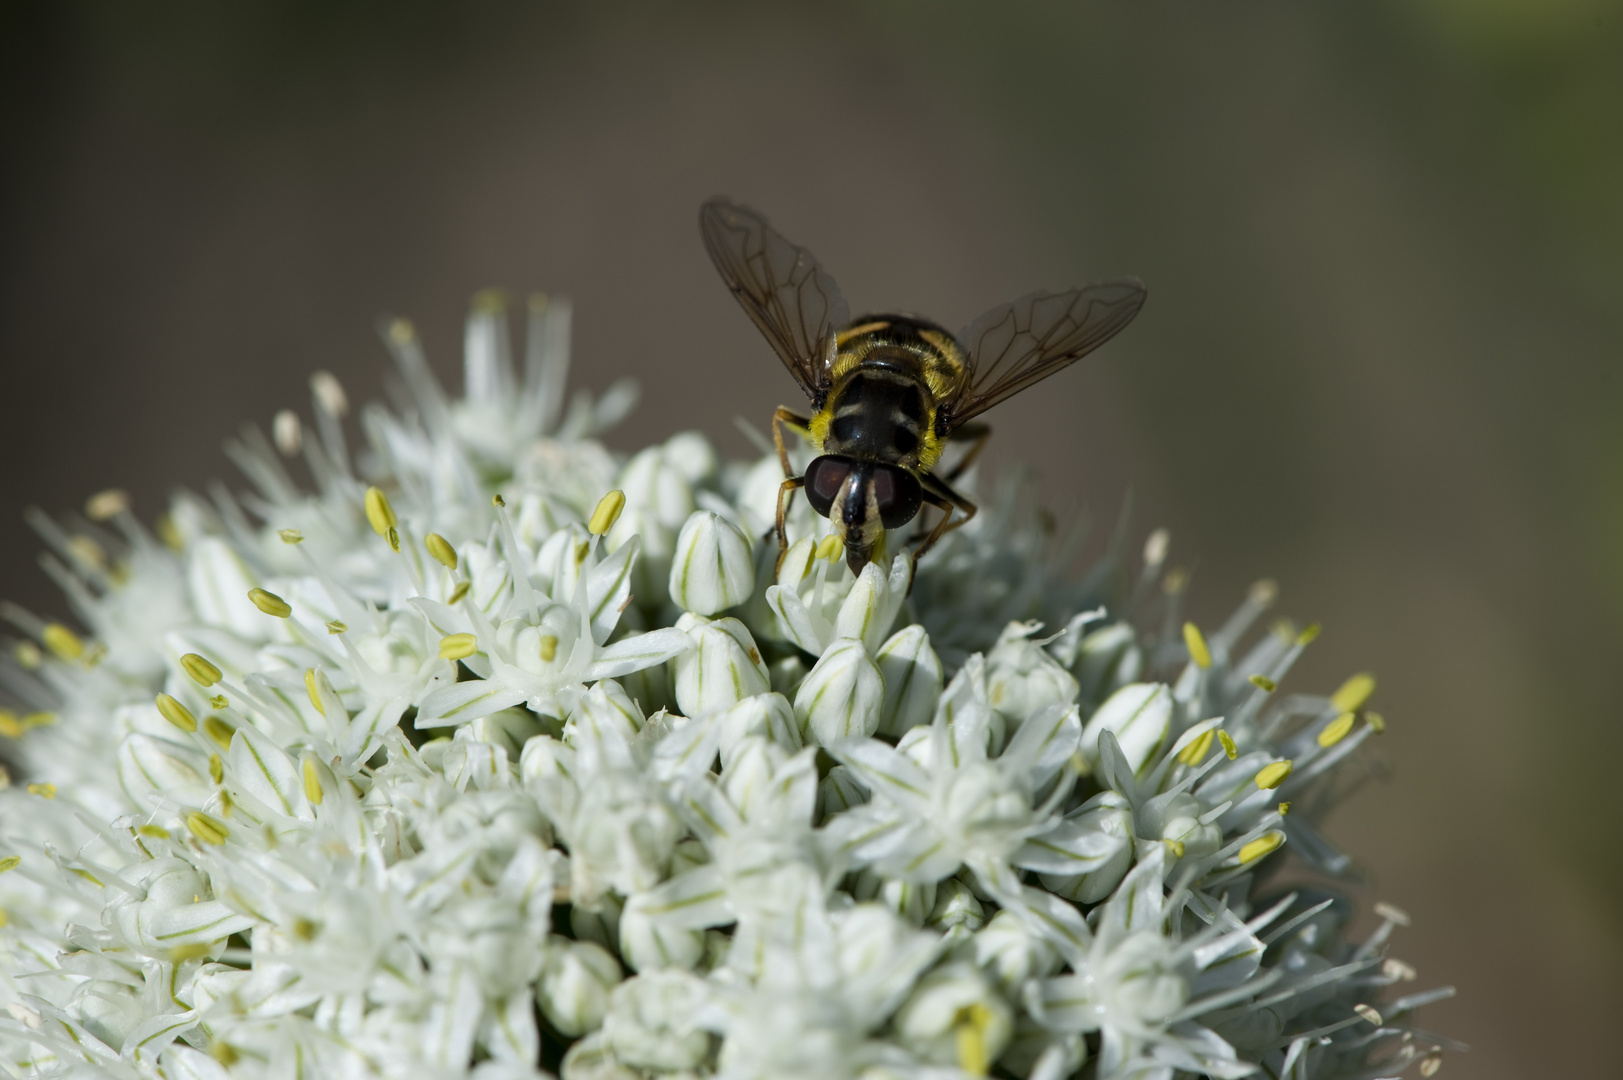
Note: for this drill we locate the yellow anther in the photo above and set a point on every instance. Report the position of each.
(157, 832)
(10, 726)
(549, 648)
(458, 646)
(1196, 643)
(329, 393)
(88, 551)
(439, 547)
(1271, 776)
(219, 701)
(1393, 968)
(182, 953)
(202, 672)
(1392, 913)
(44, 791)
(1228, 744)
(62, 641)
(1175, 581)
(337, 627)
(287, 433)
(1264, 683)
(1263, 592)
(312, 782)
(88, 876)
(1336, 730)
(830, 548)
(37, 719)
(582, 549)
(312, 688)
(1175, 847)
(607, 512)
(1266, 844)
(458, 593)
(1195, 752)
(290, 536)
(10, 862)
(107, 504)
(1155, 547)
(1284, 808)
(207, 829)
(497, 501)
(1376, 722)
(971, 1023)
(28, 655)
(216, 768)
(219, 731)
(1353, 693)
(489, 302)
(170, 534)
(401, 331)
(1368, 1013)
(1309, 632)
(379, 514)
(305, 929)
(176, 713)
(1430, 1064)
(270, 603)
(393, 536)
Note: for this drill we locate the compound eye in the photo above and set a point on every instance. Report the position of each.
(824, 478)
(897, 494)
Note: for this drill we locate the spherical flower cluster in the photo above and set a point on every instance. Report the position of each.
(499, 755)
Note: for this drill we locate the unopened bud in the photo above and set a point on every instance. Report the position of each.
(711, 569)
(723, 668)
(842, 696)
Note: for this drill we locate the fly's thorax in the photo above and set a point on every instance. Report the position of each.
(879, 413)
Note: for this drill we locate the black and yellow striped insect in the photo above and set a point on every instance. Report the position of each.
(889, 391)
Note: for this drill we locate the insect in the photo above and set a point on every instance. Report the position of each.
(889, 391)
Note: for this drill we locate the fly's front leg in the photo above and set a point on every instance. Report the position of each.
(973, 432)
(784, 490)
(782, 416)
(943, 498)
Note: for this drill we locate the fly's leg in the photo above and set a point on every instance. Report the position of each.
(972, 432)
(781, 416)
(784, 490)
(943, 498)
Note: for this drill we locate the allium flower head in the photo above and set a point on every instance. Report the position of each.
(491, 753)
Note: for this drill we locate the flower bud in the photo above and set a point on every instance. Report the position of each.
(765, 715)
(912, 674)
(1012, 953)
(954, 1017)
(912, 901)
(723, 668)
(648, 944)
(650, 1022)
(1106, 660)
(956, 911)
(871, 606)
(1138, 715)
(711, 569)
(1111, 818)
(655, 485)
(1021, 678)
(573, 990)
(841, 697)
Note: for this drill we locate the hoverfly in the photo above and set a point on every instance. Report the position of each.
(889, 391)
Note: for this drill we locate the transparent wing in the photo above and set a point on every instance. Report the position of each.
(1017, 344)
(780, 286)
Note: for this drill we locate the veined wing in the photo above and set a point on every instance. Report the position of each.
(781, 288)
(1023, 342)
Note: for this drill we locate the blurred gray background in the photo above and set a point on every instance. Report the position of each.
(1384, 247)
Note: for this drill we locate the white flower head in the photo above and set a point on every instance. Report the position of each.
(499, 749)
